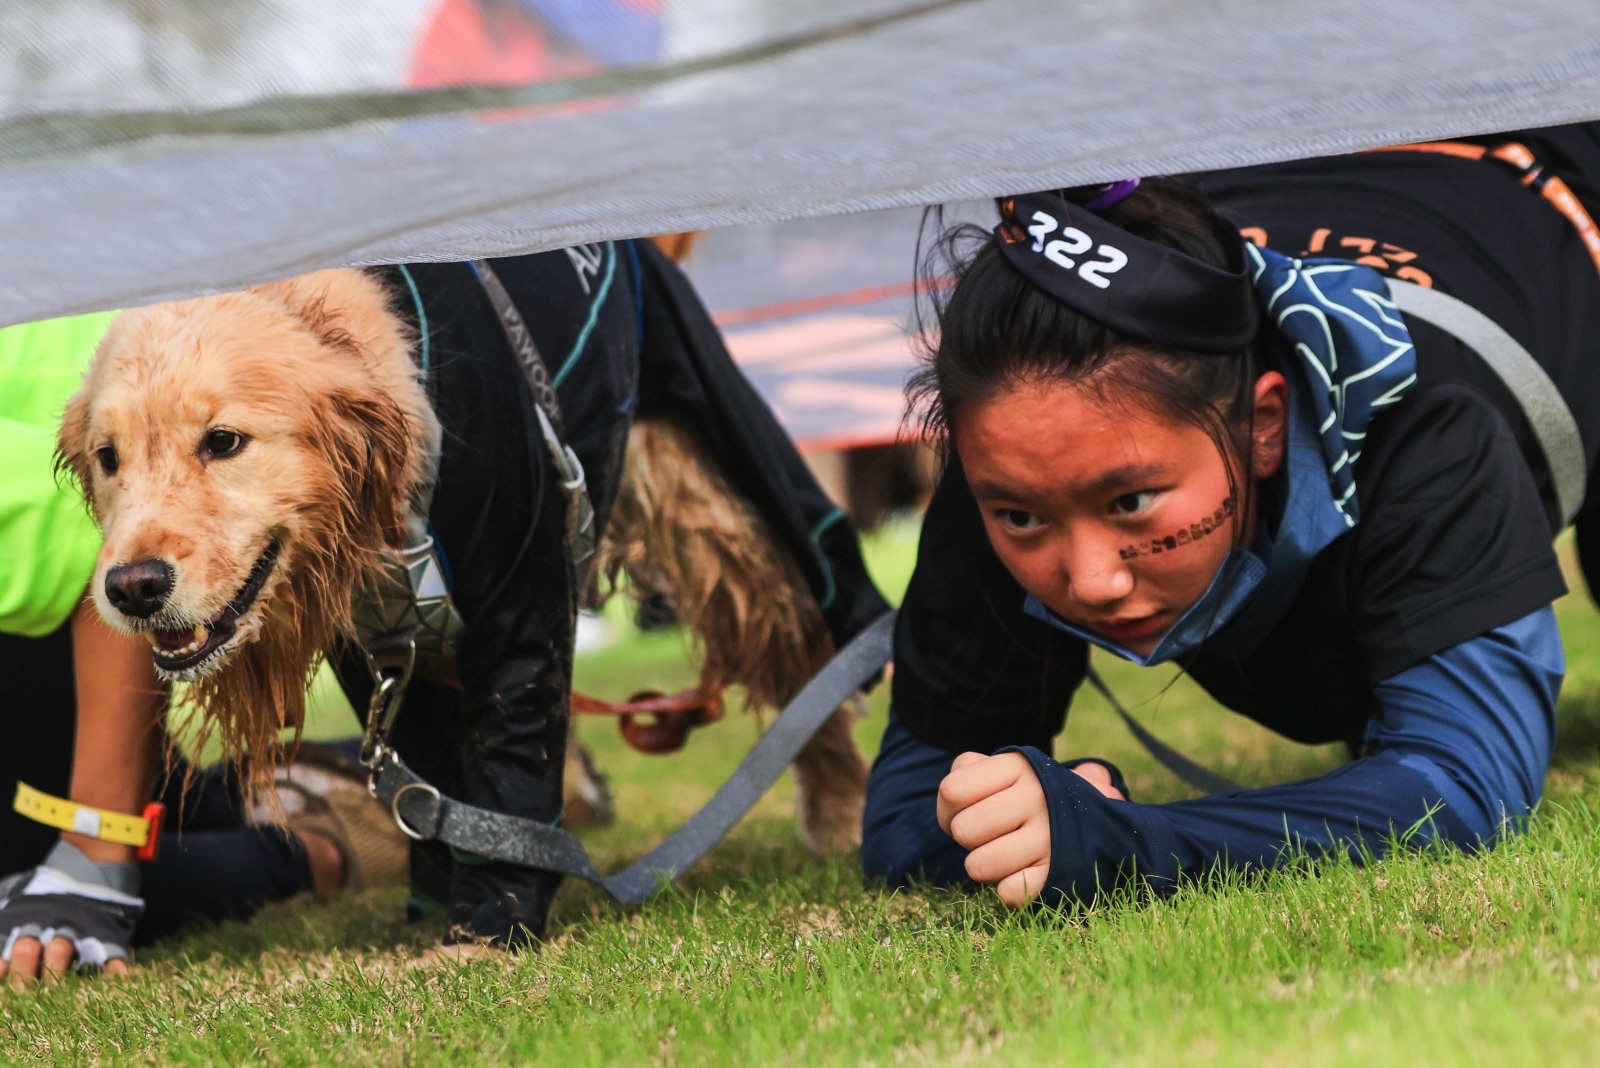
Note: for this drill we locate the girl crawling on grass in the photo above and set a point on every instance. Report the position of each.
(1237, 454)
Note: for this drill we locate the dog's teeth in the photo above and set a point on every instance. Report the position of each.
(199, 634)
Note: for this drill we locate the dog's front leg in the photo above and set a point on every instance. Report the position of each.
(512, 757)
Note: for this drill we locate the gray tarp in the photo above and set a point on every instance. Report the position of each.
(212, 156)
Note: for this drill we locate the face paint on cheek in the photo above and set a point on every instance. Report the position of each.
(1188, 535)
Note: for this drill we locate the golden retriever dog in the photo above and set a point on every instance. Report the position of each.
(253, 458)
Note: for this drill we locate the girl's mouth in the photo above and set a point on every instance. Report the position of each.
(1126, 629)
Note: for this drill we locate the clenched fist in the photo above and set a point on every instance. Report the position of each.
(995, 807)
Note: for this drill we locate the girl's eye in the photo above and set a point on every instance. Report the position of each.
(1016, 519)
(107, 455)
(1132, 503)
(221, 443)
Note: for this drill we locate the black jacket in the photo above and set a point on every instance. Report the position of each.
(620, 332)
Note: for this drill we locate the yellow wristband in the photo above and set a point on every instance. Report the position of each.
(107, 826)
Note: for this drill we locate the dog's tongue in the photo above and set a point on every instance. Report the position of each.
(170, 640)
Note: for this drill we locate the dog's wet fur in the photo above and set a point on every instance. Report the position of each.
(250, 458)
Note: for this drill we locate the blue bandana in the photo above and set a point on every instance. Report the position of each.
(1353, 347)
(1354, 357)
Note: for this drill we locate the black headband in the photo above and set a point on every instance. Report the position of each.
(1135, 287)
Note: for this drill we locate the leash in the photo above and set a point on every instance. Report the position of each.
(425, 814)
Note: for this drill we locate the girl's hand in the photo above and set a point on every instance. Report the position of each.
(995, 807)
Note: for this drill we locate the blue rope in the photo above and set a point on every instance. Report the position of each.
(594, 316)
(422, 314)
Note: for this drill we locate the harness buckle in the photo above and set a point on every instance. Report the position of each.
(399, 820)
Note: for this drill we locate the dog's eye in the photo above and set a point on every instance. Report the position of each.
(220, 443)
(107, 455)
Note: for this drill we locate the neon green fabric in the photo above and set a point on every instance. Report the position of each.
(47, 540)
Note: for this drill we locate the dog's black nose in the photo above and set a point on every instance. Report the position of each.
(139, 589)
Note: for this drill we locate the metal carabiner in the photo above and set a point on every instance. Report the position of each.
(380, 717)
(388, 693)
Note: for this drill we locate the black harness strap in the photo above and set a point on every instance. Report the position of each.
(581, 534)
(1194, 774)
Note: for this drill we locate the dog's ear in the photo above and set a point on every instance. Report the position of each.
(368, 440)
(72, 442)
(375, 436)
(315, 300)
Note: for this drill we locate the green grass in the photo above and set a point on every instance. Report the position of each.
(765, 954)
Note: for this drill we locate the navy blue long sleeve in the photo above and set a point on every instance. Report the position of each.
(1461, 744)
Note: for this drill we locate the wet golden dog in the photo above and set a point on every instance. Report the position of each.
(251, 458)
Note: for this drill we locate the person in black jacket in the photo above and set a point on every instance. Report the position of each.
(1241, 457)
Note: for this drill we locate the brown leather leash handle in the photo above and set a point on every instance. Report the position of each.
(654, 722)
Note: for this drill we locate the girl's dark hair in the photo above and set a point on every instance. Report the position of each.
(993, 329)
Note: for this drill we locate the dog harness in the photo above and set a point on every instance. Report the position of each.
(411, 607)
(410, 613)
(412, 597)
(410, 602)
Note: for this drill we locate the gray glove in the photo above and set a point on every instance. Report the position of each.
(93, 906)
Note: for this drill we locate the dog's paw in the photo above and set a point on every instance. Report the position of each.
(831, 786)
(830, 820)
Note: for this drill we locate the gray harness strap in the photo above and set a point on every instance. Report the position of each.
(1551, 419)
(425, 814)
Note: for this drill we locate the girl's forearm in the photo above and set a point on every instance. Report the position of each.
(118, 744)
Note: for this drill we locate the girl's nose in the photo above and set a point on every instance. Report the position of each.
(1096, 573)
